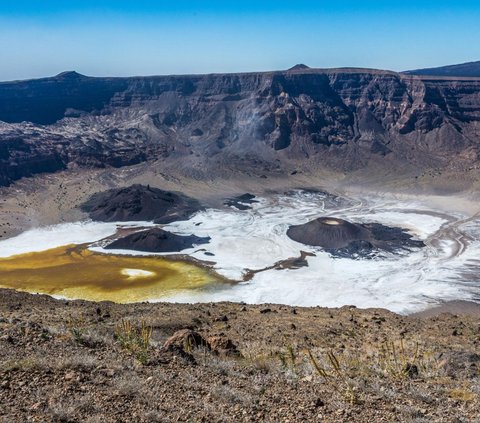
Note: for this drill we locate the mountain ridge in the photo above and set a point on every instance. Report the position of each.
(261, 122)
(468, 69)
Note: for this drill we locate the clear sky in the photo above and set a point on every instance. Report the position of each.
(138, 37)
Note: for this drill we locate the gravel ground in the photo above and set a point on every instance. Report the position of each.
(75, 361)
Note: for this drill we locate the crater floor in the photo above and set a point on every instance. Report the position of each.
(250, 246)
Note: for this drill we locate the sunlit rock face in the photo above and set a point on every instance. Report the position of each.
(345, 239)
(157, 241)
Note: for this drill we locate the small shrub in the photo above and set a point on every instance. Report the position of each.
(81, 362)
(397, 361)
(129, 386)
(26, 364)
(135, 339)
(462, 394)
(75, 326)
(336, 373)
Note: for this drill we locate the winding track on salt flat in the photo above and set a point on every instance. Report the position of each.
(435, 255)
(451, 230)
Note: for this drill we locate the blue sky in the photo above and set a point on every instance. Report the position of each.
(120, 38)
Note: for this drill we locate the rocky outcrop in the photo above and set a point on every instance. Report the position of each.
(188, 340)
(328, 232)
(258, 123)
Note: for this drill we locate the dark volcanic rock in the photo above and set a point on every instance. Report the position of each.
(140, 203)
(205, 126)
(241, 202)
(19, 158)
(156, 241)
(352, 240)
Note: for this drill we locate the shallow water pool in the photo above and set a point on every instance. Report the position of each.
(73, 271)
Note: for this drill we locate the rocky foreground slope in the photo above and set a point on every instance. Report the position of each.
(74, 361)
(204, 126)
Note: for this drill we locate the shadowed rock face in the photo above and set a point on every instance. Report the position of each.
(157, 241)
(266, 123)
(352, 240)
(140, 203)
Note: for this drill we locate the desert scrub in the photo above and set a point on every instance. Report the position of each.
(75, 326)
(288, 356)
(79, 361)
(336, 375)
(351, 372)
(135, 339)
(258, 360)
(25, 364)
(397, 361)
(129, 385)
(462, 393)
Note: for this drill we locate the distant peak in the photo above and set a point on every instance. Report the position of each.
(469, 69)
(70, 75)
(299, 66)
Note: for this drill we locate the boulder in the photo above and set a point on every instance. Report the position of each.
(185, 339)
(223, 346)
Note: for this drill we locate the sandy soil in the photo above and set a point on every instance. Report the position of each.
(460, 308)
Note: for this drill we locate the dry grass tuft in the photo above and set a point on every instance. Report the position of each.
(135, 339)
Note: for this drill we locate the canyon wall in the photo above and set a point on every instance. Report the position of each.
(206, 125)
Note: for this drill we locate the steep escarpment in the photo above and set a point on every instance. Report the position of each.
(258, 123)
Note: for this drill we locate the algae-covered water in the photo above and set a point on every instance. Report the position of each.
(73, 271)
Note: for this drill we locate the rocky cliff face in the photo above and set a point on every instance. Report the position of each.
(342, 119)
